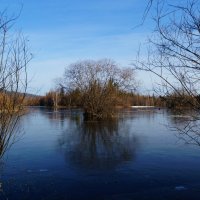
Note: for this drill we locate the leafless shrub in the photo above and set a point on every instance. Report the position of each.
(14, 57)
(99, 83)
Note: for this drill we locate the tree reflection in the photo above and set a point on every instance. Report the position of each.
(186, 126)
(102, 144)
(59, 116)
(10, 133)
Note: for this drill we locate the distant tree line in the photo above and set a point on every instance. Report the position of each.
(73, 100)
(60, 98)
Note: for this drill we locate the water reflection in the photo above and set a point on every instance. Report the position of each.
(98, 145)
(93, 155)
(11, 132)
(186, 126)
(58, 116)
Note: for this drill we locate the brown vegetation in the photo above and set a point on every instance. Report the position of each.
(98, 84)
(14, 58)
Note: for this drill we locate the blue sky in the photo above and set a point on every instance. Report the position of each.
(64, 31)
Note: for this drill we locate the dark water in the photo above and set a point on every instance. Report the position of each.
(134, 157)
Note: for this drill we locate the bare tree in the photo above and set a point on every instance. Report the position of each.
(99, 83)
(174, 51)
(14, 57)
(174, 56)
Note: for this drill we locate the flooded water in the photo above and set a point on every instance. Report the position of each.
(136, 156)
